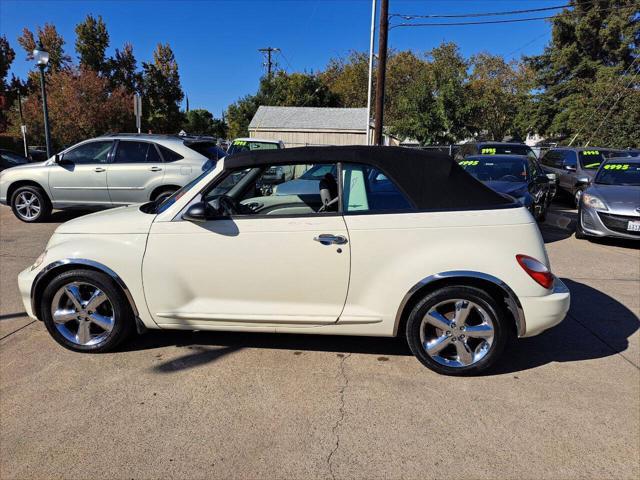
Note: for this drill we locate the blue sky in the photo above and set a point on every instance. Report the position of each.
(216, 42)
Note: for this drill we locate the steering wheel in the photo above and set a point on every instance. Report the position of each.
(510, 178)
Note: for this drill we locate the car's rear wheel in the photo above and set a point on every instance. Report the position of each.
(162, 195)
(30, 204)
(86, 311)
(457, 330)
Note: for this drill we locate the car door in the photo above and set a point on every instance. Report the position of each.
(567, 179)
(136, 170)
(79, 177)
(288, 265)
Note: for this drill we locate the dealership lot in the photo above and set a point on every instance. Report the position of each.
(565, 404)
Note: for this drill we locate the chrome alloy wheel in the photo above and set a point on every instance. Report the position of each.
(28, 205)
(457, 333)
(82, 313)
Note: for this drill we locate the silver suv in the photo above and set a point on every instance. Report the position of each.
(107, 171)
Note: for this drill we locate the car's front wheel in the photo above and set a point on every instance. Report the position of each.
(457, 330)
(30, 204)
(86, 311)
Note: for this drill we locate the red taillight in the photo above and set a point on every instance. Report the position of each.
(536, 270)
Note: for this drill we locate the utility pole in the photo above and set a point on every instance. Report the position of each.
(382, 67)
(269, 63)
(23, 127)
(370, 79)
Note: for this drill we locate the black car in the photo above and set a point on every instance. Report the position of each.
(516, 175)
(10, 159)
(493, 148)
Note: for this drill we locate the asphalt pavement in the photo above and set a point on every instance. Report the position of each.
(563, 405)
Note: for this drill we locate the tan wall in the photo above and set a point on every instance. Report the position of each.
(293, 138)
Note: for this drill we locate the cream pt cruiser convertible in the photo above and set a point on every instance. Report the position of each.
(378, 241)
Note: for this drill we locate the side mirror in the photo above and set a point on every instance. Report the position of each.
(57, 158)
(570, 168)
(200, 212)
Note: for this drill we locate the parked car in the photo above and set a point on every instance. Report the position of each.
(515, 175)
(626, 153)
(251, 144)
(493, 148)
(458, 271)
(10, 159)
(575, 167)
(610, 207)
(107, 171)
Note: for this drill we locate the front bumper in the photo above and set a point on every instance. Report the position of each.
(25, 281)
(544, 312)
(592, 222)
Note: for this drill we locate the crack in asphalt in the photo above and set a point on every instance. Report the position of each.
(341, 417)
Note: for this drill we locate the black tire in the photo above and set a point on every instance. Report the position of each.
(123, 324)
(502, 330)
(162, 195)
(580, 235)
(39, 200)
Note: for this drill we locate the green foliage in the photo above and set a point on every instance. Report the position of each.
(51, 41)
(162, 92)
(123, 70)
(347, 78)
(581, 73)
(7, 56)
(92, 40)
(201, 122)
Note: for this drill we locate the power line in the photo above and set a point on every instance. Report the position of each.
(488, 22)
(482, 14)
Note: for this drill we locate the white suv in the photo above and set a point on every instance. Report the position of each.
(393, 242)
(106, 171)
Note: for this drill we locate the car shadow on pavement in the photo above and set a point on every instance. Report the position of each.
(9, 316)
(597, 326)
(61, 216)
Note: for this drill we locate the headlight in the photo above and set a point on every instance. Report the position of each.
(39, 260)
(591, 201)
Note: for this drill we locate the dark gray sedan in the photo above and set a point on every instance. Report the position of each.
(610, 207)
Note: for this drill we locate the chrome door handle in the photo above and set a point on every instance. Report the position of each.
(155, 169)
(99, 169)
(328, 239)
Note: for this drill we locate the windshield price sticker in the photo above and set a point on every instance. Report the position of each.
(593, 165)
(240, 142)
(591, 152)
(469, 162)
(488, 151)
(616, 166)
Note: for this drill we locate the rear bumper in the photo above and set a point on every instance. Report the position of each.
(544, 312)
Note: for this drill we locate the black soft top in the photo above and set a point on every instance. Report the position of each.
(431, 180)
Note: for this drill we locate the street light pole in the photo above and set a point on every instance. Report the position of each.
(42, 58)
(382, 66)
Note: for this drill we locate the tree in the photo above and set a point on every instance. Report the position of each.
(283, 89)
(92, 40)
(7, 55)
(347, 78)
(593, 51)
(51, 41)
(162, 92)
(498, 91)
(80, 107)
(201, 122)
(123, 71)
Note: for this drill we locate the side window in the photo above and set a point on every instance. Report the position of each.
(569, 158)
(533, 168)
(169, 155)
(88, 153)
(367, 189)
(279, 190)
(553, 158)
(136, 152)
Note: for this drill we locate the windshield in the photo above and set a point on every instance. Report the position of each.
(591, 159)
(496, 169)
(501, 149)
(619, 173)
(318, 172)
(179, 193)
(13, 158)
(250, 145)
